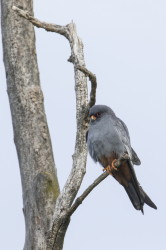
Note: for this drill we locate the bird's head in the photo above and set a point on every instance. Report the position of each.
(99, 111)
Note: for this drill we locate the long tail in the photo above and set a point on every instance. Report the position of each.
(127, 178)
(138, 197)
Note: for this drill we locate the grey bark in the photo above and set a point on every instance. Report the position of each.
(47, 211)
(61, 215)
(31, 136)
(75, 178)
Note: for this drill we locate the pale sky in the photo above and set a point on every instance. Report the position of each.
(125, 46)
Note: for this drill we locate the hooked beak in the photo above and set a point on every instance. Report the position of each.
(93, 117)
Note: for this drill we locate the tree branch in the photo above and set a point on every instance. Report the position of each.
(62, 30)
(87, 191)
(93, 80)
(69, 192)
(77, 58)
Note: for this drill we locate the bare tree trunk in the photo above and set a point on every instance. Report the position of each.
(31, 136)
(47, 211)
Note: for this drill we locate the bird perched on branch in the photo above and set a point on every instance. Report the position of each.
(108, 143)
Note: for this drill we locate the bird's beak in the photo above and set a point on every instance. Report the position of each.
(93, 117)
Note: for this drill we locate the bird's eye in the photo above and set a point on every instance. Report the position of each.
(93, 117)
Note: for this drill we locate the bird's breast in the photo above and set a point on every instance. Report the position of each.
(103, 141)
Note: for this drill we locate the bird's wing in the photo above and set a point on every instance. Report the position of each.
(135, 158)
(125, 137)
(123, 133)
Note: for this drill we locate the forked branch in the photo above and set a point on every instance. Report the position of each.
(69, 192)
(62, 30)
(93, 80)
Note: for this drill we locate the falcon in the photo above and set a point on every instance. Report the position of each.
(108, 143)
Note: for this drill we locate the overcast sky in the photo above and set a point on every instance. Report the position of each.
(125, 46)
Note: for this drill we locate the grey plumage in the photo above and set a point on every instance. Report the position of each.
(107, 139)
(108, 134)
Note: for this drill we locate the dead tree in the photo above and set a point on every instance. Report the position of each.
(47, 211)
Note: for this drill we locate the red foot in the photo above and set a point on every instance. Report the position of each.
(111, 168)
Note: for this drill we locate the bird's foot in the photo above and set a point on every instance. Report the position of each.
(112, 168)
(108, 169)
(115, 165)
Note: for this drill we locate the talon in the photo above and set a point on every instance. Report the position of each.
(113, 165)
(108, 169)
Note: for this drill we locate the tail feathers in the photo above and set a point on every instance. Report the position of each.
(135, 197)
(127, 178)
(138, 197)
(147, 200)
